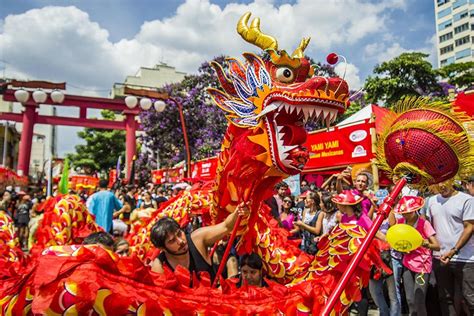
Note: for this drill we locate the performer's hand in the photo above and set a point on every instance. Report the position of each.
(243, 209)
(298, 223)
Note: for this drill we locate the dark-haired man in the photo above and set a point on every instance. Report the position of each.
(103, 204)
(189, 250)
(276, 201)
(452, 215)
(100, 238)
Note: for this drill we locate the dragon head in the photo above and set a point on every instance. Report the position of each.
(276, 96)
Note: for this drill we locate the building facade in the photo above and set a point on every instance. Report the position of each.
(454, 31)
(156, 77)
(9, 144)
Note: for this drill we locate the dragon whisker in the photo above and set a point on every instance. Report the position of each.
(344, 75)
(361, 90)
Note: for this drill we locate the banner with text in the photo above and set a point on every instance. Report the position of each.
(339, 147)
(204, 169)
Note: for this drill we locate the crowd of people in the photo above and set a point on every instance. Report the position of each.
(434, 279)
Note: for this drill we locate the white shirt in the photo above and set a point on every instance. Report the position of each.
(447, 216)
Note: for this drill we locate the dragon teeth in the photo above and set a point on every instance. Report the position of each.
(328, 122)
(290, 148)
(307, 113)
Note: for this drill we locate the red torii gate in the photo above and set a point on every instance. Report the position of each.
(30, 117)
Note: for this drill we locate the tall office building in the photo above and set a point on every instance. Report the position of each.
(455, 31)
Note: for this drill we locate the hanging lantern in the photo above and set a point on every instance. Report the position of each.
(22, 95)
(159, 105)
(39, 96)
(145, 104)
(131, 101)
(57, 96)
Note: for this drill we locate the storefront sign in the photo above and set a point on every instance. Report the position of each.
(342, 146)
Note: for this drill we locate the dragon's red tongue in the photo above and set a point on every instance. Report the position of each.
(294, 135)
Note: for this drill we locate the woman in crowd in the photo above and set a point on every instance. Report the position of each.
(417, 263)
(147, 201)
(329, 217)
(287, 215)
(307, 224)
(121, 220)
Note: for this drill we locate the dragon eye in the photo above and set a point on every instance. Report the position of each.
(285, 74)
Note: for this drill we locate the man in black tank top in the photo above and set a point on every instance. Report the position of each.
(189, 251)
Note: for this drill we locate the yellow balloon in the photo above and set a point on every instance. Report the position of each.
(404, 238)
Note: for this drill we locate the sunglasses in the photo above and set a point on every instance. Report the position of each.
(287, 201)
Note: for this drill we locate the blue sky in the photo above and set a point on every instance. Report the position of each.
(91, 44)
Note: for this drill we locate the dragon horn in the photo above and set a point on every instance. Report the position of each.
(299, 52)
(253, 35)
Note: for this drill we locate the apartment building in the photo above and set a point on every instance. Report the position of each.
(455, 31)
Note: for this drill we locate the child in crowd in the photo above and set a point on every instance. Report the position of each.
(349, 205)
(417, 263)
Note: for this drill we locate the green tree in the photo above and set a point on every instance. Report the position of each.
(460, 75)
(102, 148)
(407, 74)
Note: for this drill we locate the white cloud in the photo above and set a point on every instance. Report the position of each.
(381, 52)
(63, 44)
(431, 49)
(351, 76)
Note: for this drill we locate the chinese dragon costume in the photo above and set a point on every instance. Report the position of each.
(267, 99)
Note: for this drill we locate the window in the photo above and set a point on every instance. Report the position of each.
(464, 53)
(459, 3)
(447, 61)
(446, 49)
(443, 13)
(461, 15)
(461, 28)
(441, 2)
(444, 25)
(446, 37)
(462, 40)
